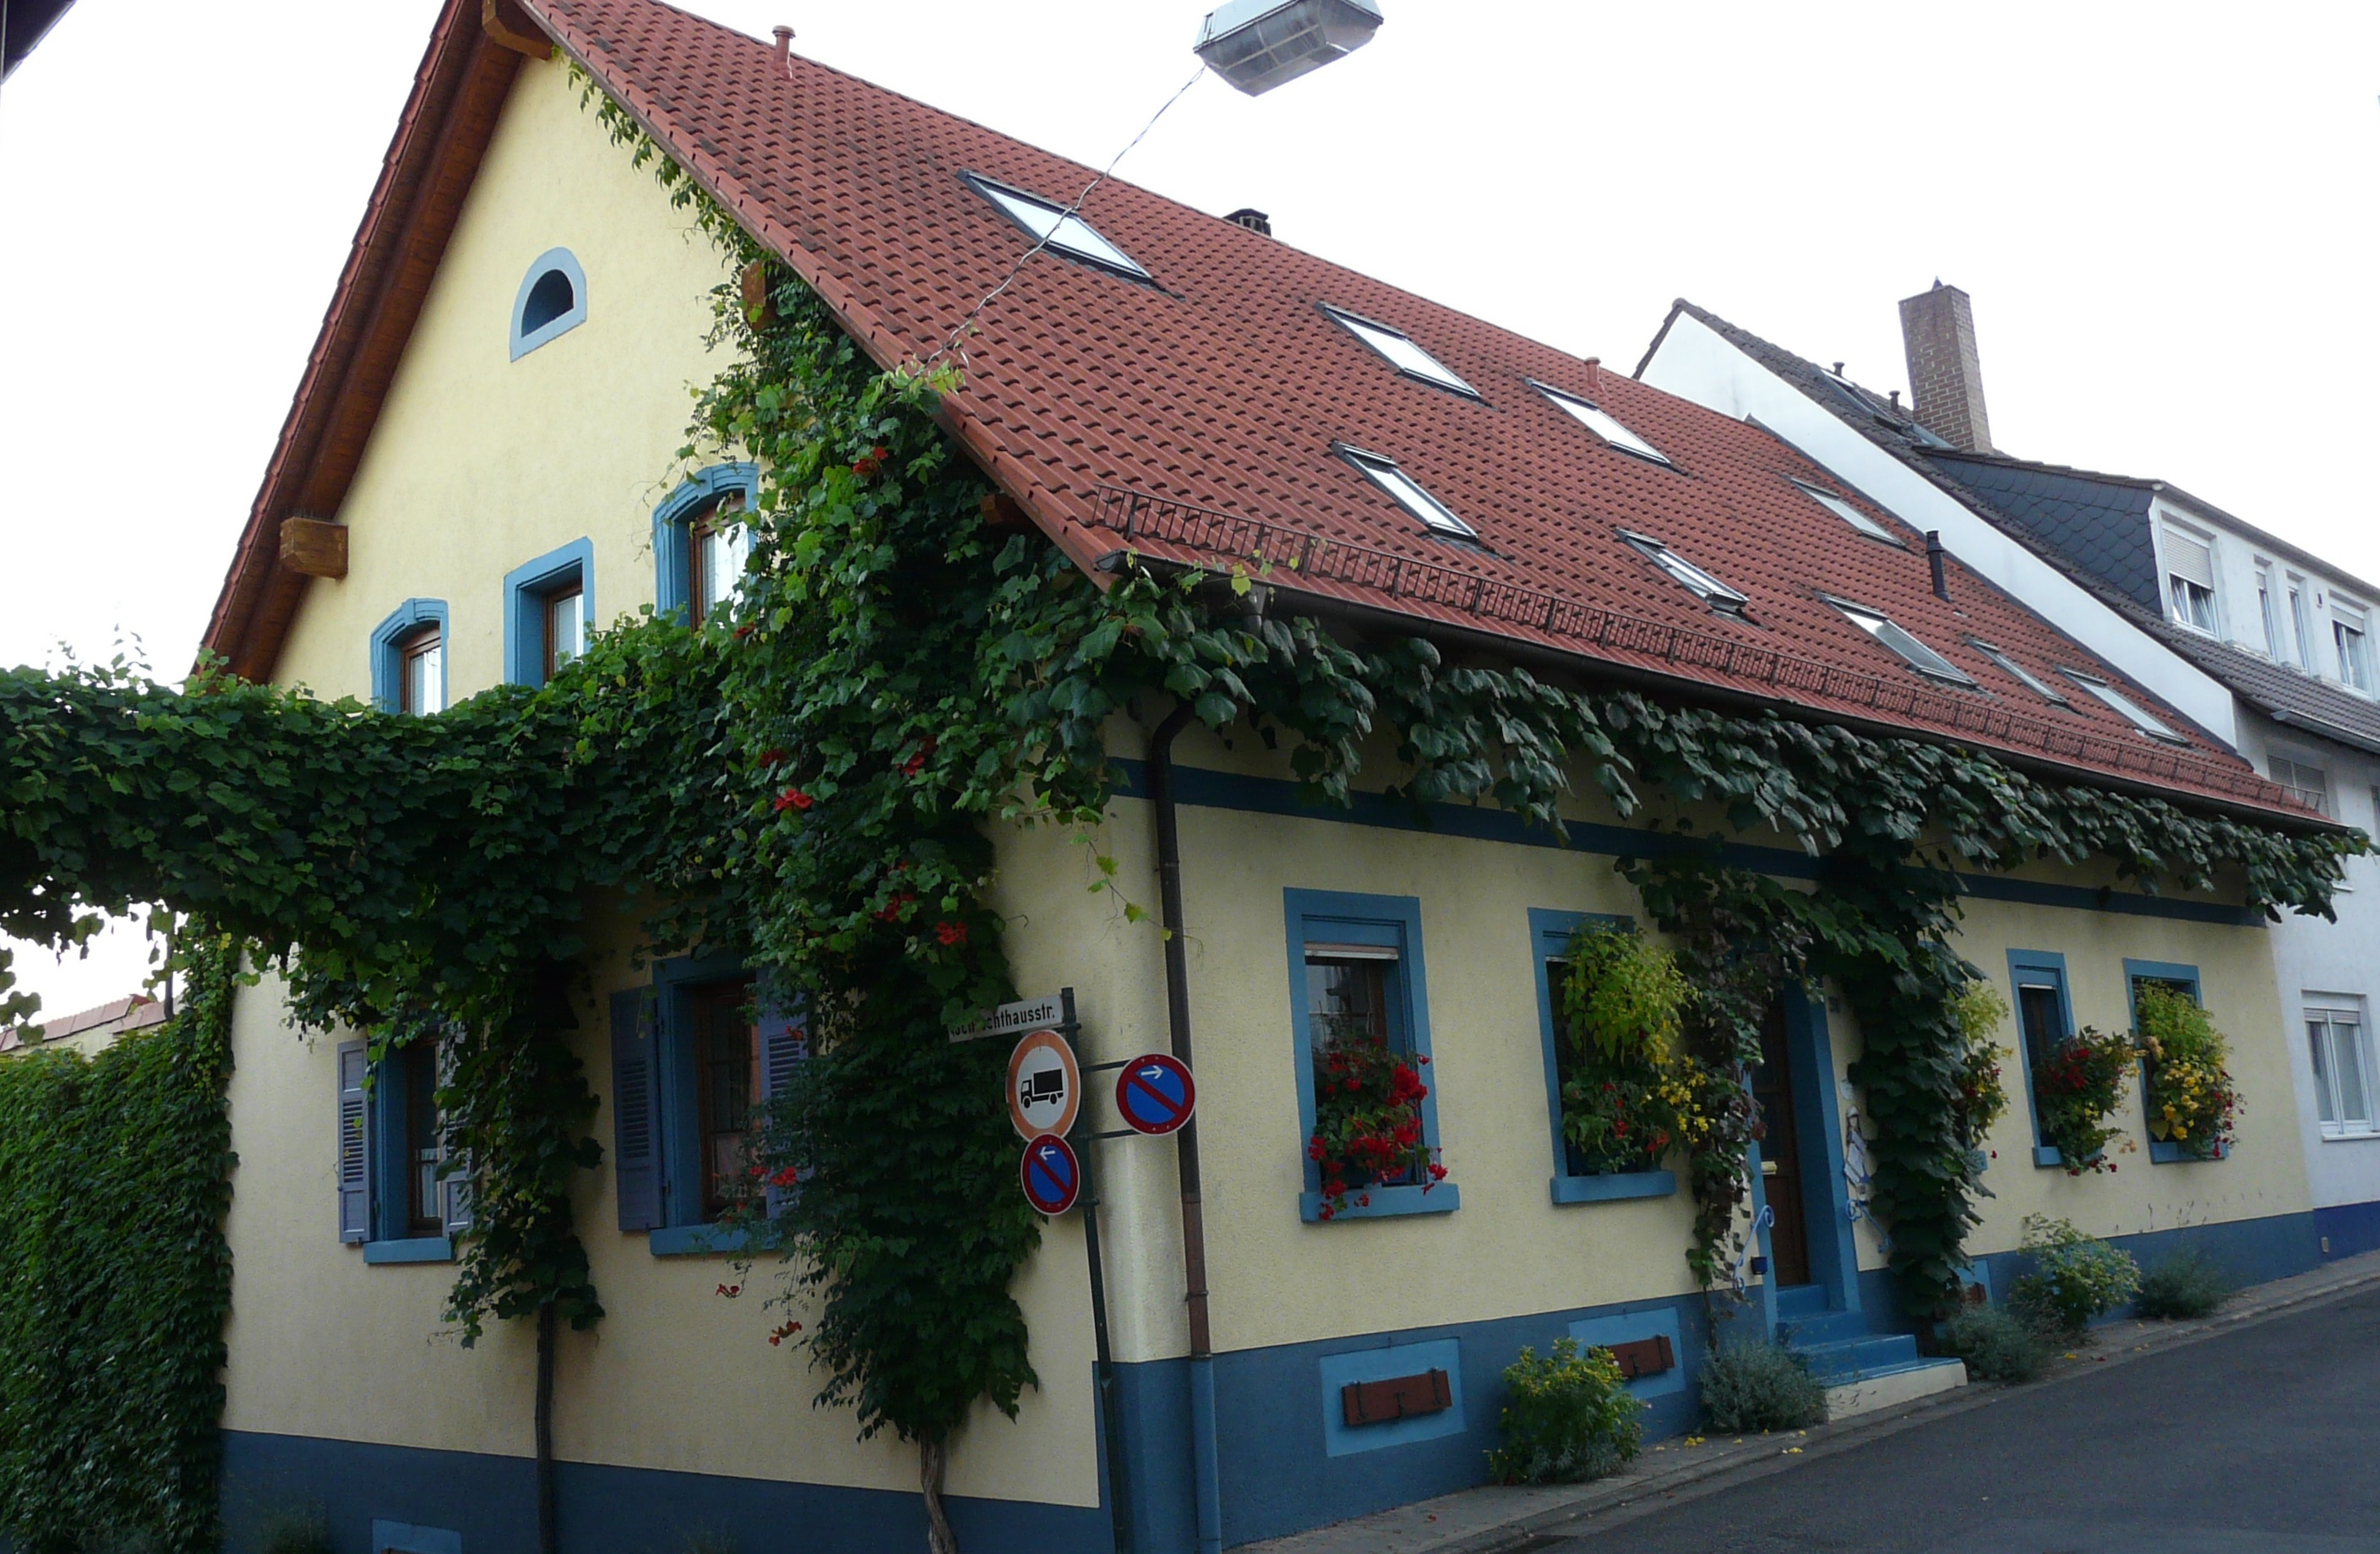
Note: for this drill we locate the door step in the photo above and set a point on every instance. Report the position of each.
(1884, 1389)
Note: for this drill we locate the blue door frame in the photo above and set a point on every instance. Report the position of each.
(1825, 1197)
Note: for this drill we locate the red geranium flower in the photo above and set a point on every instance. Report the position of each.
(951, 934)
(793, 798)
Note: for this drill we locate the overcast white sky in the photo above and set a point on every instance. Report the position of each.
(2164, 213)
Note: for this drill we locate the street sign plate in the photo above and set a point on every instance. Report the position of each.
(1052, 1176)
(1155, 1094)
(1030, 1014)
(1045, 1086)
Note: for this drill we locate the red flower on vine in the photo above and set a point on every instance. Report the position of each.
(890, 912)
(870, 464)
(794, 798)
(773, 758)
(746, 629)
(952, 935)
(782, 1333)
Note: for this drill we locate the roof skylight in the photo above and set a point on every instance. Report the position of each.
(1051, 225)
(1849, 514)
(2142, 718)
(1407, 492)
(1400, 353)
(1595, 420)
(2017, 672)
(1920, 657)
(1693, 579)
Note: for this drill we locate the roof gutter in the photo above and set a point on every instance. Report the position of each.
(2317, 726)
(1288, 600)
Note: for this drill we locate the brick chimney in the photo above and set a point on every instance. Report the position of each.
(1937, 330)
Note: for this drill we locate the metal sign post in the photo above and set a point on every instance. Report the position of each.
(1110, 1416)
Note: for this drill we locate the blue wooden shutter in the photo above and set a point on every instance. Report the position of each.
(454, 1185)
(354, 1172)
(635, 1114)
(784, 1042)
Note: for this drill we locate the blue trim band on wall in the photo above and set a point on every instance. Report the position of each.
(560, 262)
(387, 665)
(2049, 966)
(673, 588)
(1388, 922)
(527, 587)
(1208, 789)
(489, 1503)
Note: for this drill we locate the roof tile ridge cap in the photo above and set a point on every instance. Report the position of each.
(410, 121)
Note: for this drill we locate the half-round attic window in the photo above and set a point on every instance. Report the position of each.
(553, 301)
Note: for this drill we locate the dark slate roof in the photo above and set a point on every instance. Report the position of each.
(2048, 508)
(2103, 524)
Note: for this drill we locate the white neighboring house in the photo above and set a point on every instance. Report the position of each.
(2266, 646)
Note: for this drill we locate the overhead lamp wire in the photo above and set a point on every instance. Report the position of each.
(1070, 214)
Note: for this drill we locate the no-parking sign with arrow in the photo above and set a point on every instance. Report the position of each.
(1053, 1177)
(1155, 1094)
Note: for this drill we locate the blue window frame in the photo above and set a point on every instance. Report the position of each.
(408, 1207)
(680, 525)
(1549, 936)
(2183, 980)
(2044, 1021)
(1377, 937)
(551, 300)
(549, 609)
(398, 659)
(694, 1058)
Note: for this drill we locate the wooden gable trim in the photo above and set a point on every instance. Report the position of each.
(450, 120)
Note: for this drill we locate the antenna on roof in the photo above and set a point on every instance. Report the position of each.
(1258, 45)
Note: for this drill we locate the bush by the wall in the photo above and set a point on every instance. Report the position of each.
(2182, 1286)
(1760, 1387)
(2075, 1279)
(1569, 1416)
(115, 1278)
(1995, 1343)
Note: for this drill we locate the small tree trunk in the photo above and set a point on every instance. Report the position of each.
(933, 1456)
(549, 1540)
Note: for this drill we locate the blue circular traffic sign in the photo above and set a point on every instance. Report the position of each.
(1156, 1094)
(1053, 1177)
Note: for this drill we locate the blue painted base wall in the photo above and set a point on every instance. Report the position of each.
(491, 1502)
(2351, 1228)
(1278, 1474)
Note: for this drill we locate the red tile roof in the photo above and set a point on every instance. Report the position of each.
(1199, 414)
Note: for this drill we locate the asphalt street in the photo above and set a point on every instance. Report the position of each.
(2262, 1440)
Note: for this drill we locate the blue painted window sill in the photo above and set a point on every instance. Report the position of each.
(694, 1241)
(427, 1249)
(1387, 1203)
(1622, 1185)
(2164, 1153)
(2049, 1155)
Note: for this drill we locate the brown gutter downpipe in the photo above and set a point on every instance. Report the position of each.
(1205, 1477)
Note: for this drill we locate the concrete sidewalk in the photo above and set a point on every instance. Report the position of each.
(1500, 1521)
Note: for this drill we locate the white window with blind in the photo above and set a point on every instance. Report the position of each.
(2307, 782)
(2190, 578)
(2350, 628)
(2301, 623)
(2336, 1043)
